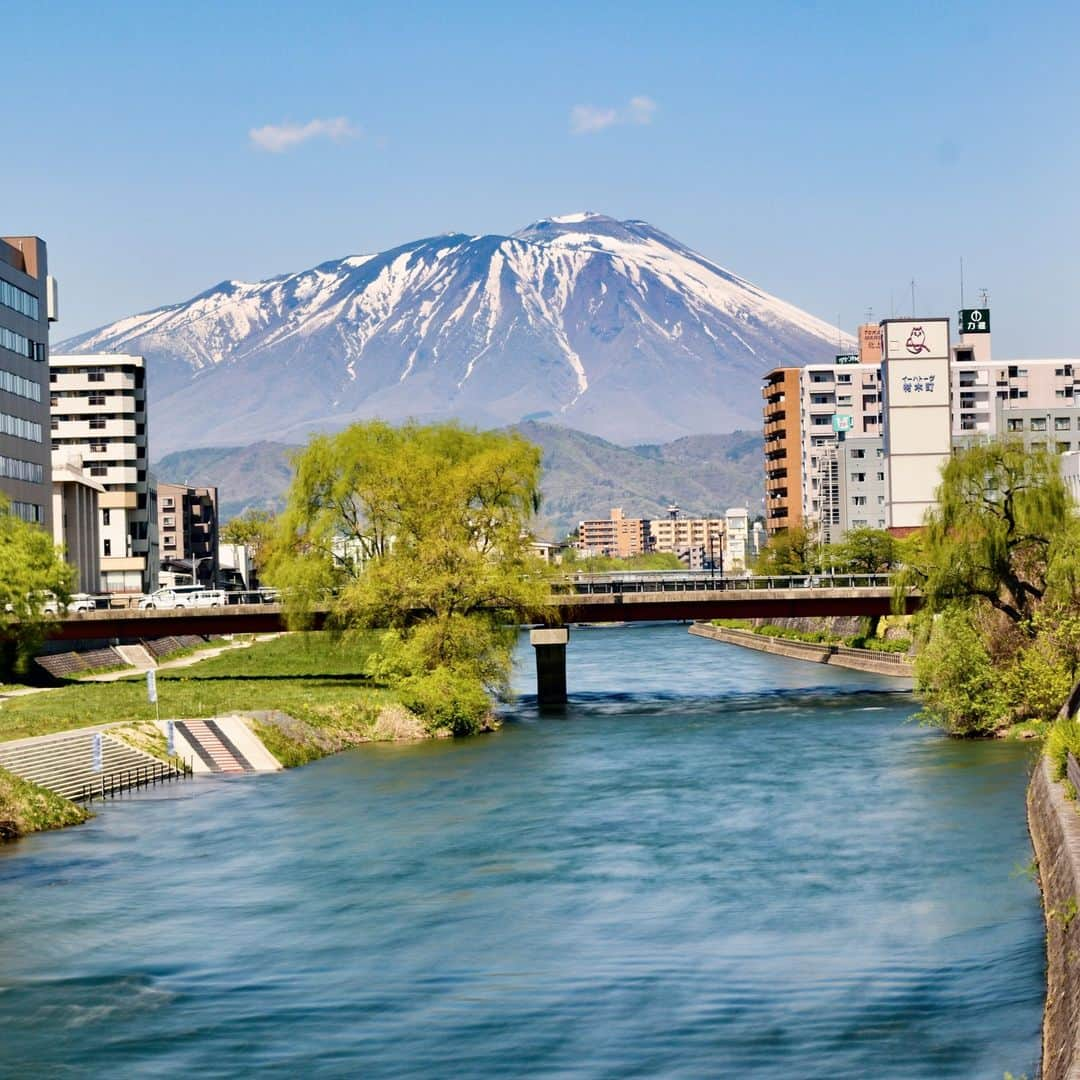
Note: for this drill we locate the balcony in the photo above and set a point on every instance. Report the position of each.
(60, 379)
(78, 406)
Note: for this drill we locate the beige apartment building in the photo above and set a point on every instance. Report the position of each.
(99, 412)
(617, 536)
(27, 306)
(699, 542)
(188, 530)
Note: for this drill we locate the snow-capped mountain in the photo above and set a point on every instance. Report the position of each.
(609, 326)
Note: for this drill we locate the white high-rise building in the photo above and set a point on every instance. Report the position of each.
(98, 411)
(736, 539)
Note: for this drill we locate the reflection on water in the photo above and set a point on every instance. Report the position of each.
(713, 863)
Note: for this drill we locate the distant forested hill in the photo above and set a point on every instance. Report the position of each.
(584, 476)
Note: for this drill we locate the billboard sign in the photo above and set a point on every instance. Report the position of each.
(974, 320)
(918, 383)
(842, 422)
(917, 339)
(847, 358)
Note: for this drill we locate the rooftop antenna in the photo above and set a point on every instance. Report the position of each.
(913, 298)
(984, 299)
(869, 314)
(839, 333)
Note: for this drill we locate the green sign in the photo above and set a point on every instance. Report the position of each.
(841, 422)
(975, 321)
(848, 358)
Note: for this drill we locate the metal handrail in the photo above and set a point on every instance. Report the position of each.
(108, 785)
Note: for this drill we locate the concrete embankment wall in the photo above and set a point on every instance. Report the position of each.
(1055, 835)
(835, 655)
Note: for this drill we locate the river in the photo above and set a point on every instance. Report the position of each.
(715, 863)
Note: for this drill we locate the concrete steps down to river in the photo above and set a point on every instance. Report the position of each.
(223, 744)
(64, 763)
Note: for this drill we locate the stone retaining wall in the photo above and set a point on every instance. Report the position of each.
(835, 655)
(1055, 835)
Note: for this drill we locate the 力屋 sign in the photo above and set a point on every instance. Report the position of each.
(974, 320)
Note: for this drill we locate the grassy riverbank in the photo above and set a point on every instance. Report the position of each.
(27, 808)
(311, 678)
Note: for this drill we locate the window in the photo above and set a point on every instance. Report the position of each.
(98, 447)
(99, 470)
(858, 500)
(95, 375)
(11, 296)
(168, 503)
(1062, 447)
(858, 477)
(881, 476)
(170, 541)
(1062, 423)
(1015, 424)
(105, 515)
(96, 399)
(108, 548)
(1038, 423)
(97, 423)
(20, 387)
(168, 523)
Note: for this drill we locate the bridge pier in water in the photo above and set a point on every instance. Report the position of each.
(550, 646)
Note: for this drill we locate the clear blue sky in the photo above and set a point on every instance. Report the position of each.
(829, 152)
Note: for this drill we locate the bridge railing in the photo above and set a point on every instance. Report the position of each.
(642, 581)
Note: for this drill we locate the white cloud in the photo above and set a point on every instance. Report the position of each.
(588, 119)
(277, 138)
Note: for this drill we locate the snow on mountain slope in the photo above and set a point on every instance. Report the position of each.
(609, 326)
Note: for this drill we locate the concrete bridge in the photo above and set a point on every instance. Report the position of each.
(581, 598)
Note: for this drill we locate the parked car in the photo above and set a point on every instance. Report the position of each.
(78, 602)
(184, 597)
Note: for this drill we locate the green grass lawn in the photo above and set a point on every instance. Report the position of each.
(306, 675)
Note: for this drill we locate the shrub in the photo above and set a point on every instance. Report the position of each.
(1064, 737)
(446, 700)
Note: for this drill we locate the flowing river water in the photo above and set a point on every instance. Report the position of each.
(714, 863)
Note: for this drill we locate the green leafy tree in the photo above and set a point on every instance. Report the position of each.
(33, 575)
(421, 532)
(790, 551)
(253, 529)
(1000, 509)
(868, 551)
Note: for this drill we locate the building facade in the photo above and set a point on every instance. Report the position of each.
(699, 542)
(76, 518)
(821, 421)
(27, 306)
(616, 536)
(99, 411)
(188, 530)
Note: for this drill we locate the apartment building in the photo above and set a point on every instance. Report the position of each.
(737, 553)
(811, 415)
(699, 542)
(188, 530)
(99, 412)
(27, 306)
(783, 449)
(616, 536)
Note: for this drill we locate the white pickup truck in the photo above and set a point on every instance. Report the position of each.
(182, 597)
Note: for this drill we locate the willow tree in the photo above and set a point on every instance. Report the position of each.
(420, 532)
(996, 566)
(1000, 511)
